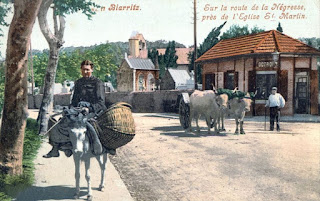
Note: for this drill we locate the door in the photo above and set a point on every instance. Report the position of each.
(209, 81)
(302, 95)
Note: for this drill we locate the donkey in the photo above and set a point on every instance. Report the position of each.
(82, 150)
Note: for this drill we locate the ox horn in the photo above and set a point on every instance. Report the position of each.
(235, 90)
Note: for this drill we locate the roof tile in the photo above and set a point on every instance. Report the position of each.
(264, 42)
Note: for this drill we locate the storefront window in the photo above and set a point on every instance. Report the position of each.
(264, 83)
(229, 82)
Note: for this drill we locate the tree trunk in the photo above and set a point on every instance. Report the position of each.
(55, 42)
(15, 95)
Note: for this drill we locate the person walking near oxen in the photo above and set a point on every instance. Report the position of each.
(275, 102)
(89, 94)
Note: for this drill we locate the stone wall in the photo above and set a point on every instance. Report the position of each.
(158, 101)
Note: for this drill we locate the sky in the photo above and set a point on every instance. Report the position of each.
(173, 20)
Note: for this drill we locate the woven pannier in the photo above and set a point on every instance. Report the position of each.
(115, 126)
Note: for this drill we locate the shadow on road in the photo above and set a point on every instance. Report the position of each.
(177, 131)
(163, 115)
(36, 193)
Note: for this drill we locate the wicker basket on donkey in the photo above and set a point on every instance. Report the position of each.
(115, 126)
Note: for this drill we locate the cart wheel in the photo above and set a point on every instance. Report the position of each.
(184, 114)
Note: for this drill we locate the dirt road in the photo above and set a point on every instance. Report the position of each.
(165, 163)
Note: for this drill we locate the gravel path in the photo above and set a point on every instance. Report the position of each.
(165, 163)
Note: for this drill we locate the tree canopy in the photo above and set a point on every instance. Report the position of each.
(209, 42)
(63, 7)
(104, 57)
(313, 42)
(279, 28)
(168, 60)
(236, 31)
(4, 10)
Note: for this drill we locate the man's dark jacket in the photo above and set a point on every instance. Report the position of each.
(89, 90)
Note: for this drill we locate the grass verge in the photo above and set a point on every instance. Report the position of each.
(11, 185)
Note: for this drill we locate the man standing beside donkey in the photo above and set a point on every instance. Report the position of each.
(275, 103)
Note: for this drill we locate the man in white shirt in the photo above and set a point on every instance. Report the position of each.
(275, 102)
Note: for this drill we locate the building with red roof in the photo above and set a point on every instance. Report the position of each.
(257, 62)
(182, 53)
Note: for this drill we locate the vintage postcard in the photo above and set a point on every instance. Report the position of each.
(207, 100)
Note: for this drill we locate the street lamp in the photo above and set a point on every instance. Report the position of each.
(275, 58)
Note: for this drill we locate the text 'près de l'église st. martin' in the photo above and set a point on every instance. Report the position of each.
(244, 12)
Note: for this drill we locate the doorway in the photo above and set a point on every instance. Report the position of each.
(302, 93)
(209, 81)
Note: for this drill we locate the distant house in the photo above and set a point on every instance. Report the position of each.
(137, 72)
(177, 79)
(182, 54)
(257, 62)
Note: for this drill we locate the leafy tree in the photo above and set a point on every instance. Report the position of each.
(4, 10)
(313, 42)
(14, 113)
(105, 58)
(236, 31)
(152, 54)
(55, 42)
(162, 44)
(168, 60)
(40, 62)
(69, 66)
(209, 42)
(170, 57)
(279, 28)
(104, 61)
(256, 29)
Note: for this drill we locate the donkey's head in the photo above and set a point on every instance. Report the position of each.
(77, 122)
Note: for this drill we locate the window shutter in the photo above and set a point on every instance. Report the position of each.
(283, 84)
(252, 81)
(236, 79)
(225, 74)
(314, 92)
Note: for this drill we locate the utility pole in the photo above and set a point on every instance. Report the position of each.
(195, 43)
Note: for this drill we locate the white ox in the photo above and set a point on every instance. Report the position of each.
(238, 108)
(204, 103)
(222, 102)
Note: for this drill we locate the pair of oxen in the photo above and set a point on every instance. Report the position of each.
(214, 107)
